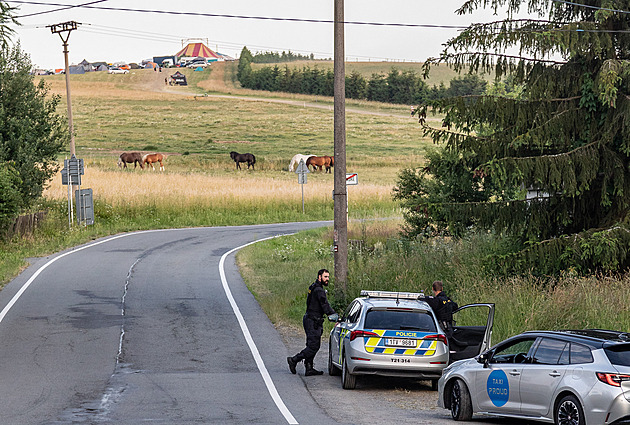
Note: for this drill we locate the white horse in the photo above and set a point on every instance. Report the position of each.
(296, 160)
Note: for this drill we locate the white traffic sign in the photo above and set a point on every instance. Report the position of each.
(302, 168)
(352, 178)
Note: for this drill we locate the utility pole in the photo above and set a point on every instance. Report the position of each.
(64, 30)
(340, 233)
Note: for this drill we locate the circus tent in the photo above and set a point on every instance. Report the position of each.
(193, 50)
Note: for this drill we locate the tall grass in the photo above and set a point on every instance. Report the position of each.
(279, 280)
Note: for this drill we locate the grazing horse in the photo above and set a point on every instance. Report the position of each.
(317, 162)
(151, 158)
(130, 157)
(295, 161)
(243, 157)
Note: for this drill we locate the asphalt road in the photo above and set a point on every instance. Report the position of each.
(158, 327)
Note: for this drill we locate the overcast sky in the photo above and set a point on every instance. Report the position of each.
(116, 35)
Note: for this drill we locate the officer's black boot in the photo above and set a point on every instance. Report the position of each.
(310, 370)
(292, 364)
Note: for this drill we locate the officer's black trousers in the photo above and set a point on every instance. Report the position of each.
(313, 328)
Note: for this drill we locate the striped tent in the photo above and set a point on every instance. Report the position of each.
(197, 50)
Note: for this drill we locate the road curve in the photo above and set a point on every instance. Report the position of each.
(139, 328)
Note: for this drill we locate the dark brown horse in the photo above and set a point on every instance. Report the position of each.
(130, 157)
(317, 162)
(243, 157)
(151, 158)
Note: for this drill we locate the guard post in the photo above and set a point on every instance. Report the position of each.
(302, 171)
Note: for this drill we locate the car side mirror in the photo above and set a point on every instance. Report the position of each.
(484, 358)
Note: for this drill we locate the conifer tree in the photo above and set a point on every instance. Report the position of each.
(565, 140)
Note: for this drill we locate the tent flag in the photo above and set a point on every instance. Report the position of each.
(197, 50)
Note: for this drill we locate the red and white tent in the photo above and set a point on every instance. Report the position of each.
(194, 50)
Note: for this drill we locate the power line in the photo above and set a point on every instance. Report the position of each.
(591, 7)
(220, 15)
(61, 8)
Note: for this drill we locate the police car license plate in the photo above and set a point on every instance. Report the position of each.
(398, 342)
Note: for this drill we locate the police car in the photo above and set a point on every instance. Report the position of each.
(562, 377)
(397, 334)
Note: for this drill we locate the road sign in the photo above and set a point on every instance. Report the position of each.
(302, 178)
(302, 168)
(352, 178)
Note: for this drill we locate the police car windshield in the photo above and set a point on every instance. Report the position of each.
(619, 354)
(398, 320)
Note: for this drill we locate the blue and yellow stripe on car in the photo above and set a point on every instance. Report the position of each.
(376, 345)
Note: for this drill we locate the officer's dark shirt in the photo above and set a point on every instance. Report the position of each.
(316, 301)
(440, 307)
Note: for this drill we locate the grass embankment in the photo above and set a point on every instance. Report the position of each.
(278, 272)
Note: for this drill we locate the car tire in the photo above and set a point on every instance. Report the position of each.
(461, 406)
(569, 411)
(332, 369)
(348, 381)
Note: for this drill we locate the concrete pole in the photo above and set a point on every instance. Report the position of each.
(340, 233)
(70, 123)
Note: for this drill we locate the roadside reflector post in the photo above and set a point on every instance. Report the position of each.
(302, 171)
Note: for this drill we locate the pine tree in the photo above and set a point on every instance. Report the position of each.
(565, 139)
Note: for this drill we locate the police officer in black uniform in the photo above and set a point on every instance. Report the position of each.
(316, 306)
(443, 307)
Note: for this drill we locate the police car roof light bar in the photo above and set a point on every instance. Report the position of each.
(391, 294)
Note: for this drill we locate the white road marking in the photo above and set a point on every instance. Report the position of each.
(273, 392)
(24, 287)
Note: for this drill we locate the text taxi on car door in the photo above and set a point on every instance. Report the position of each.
(562, 377)
(397, 334)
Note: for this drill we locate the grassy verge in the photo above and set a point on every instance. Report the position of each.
(278, 272)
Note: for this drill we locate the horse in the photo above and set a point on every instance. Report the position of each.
(243, 157)
(130, 157)
(317, 162)
(151, 158)
(295, 161)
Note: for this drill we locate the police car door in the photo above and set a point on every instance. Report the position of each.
(340, 330)
(497, 383)
(472, 331)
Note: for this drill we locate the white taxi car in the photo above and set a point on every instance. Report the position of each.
(397, 334)
(562, 377)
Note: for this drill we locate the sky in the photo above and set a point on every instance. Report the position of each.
(128, 36)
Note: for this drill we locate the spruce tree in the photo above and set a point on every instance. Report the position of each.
(565, 140)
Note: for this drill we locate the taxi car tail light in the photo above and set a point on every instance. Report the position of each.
(365, 334)
(438, 337)
(614, 379)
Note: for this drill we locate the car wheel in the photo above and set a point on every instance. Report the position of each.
(461, 407)
(332, 369)
(348, 381)
(569, 412)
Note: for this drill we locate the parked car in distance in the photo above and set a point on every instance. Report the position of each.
(118, 71)
(397, 334)
(577, 377)
(195, 64)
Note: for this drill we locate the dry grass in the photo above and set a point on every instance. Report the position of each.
(202, 190)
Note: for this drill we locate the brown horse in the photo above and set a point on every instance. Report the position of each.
(151, 158)
(129, 158)
(317, 162)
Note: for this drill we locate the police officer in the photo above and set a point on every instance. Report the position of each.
(316, 306)
(443, 307)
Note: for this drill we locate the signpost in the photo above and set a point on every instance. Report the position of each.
(302, 171)
(71, 176)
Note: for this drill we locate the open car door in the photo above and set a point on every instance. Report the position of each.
(472, 331)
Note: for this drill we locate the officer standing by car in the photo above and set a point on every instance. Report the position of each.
(443, 307)
(316, 306)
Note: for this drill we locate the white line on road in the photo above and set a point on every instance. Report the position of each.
(273, 392)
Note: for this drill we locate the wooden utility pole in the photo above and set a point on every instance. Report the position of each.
(340, 233)
(64, 30)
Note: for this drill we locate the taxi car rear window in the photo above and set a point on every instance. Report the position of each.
(398, 320)
(619, 354)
